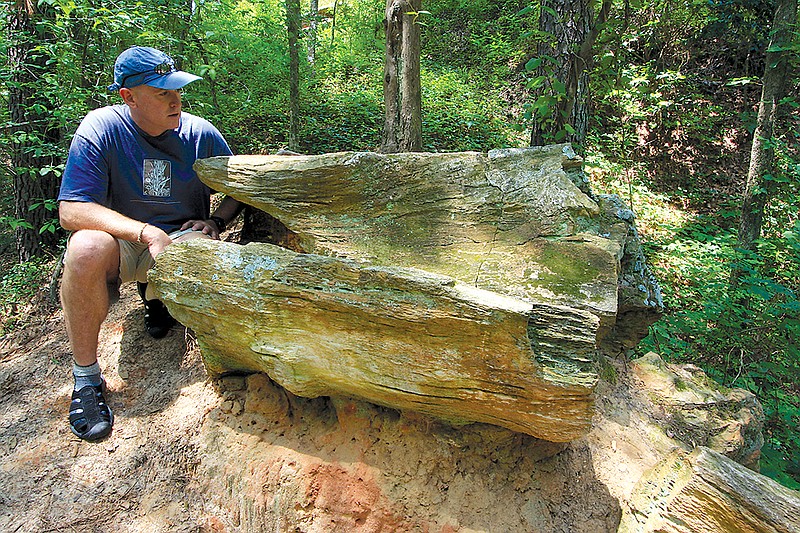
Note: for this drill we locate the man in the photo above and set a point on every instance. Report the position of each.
(128, 192)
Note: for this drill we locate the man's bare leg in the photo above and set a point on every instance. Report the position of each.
(92, 262)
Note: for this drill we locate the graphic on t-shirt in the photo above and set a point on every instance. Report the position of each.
(157, 177)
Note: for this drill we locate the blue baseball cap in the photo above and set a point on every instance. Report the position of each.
(142, 65)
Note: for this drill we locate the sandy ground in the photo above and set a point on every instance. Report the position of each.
(242, 454)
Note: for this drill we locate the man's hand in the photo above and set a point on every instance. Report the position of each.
(209, 227)
(155, 238)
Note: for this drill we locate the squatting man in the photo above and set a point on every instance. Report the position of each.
(128, 192)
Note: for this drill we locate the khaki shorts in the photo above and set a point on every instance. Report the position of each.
(135, 260)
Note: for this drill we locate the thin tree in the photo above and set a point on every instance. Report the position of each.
(34, 156)
(402, 90)
(333, 22)
(293, 26)
(312, 36)
(562, 109)
(760, 187)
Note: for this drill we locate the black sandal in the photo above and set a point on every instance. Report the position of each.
(90, 418)
(157, 320)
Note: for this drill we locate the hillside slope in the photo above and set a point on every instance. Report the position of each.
(244, 455)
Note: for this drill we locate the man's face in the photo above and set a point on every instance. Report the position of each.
(153, 110)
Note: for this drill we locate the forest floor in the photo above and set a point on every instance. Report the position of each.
(242, 454)
(53, 481)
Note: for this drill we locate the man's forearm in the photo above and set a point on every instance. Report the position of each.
(75, 216)
(228, 209)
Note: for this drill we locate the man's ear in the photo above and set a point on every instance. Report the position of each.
(127, 96)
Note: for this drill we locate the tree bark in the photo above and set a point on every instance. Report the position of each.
(574, 30)
(401, 83)
(312, 36)
(760, 187)
(333, 22)
(293, 27)
(34, 153)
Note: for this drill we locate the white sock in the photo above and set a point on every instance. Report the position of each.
(87, 375)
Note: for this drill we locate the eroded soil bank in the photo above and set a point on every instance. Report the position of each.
(244, 455)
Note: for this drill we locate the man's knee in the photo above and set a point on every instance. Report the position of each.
(188, 235)
(91, 252)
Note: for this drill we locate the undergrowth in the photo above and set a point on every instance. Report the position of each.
(743, 335)
(24, 291)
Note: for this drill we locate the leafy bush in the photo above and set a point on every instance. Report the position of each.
(21, 290)
(744, 336)
(457, 115)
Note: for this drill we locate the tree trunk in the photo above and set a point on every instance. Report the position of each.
(574, 30)
(293, 26)
(760, 187)
(34, 153)
(185, 12)
(312, 35)
(401, 83)
(333, 22)
(212, 85)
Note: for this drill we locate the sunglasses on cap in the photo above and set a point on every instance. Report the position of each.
(161, 69)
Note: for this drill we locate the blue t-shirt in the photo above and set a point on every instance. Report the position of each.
(114, 163)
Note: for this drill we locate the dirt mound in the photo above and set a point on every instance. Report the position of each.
(245, 455)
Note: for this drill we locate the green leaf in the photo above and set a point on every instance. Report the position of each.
(525, 10)
(533, 63)
(737, 82)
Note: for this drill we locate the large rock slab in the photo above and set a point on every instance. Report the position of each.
(512, 221)
(472, 287)
(402, 338)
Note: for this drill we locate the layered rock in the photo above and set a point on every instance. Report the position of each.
(467, 286)
(403, 338)
(695, 410)
(704, 491)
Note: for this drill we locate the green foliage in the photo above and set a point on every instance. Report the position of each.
(457, 115)
(544, 112)
(484, 37)
(745, 335)
(20, 288)
(346, 116)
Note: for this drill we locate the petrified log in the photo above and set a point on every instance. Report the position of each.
(491, 221)
(468, 286)
(698, 411)
(513, 221)
(397, 337)
(707, 492)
